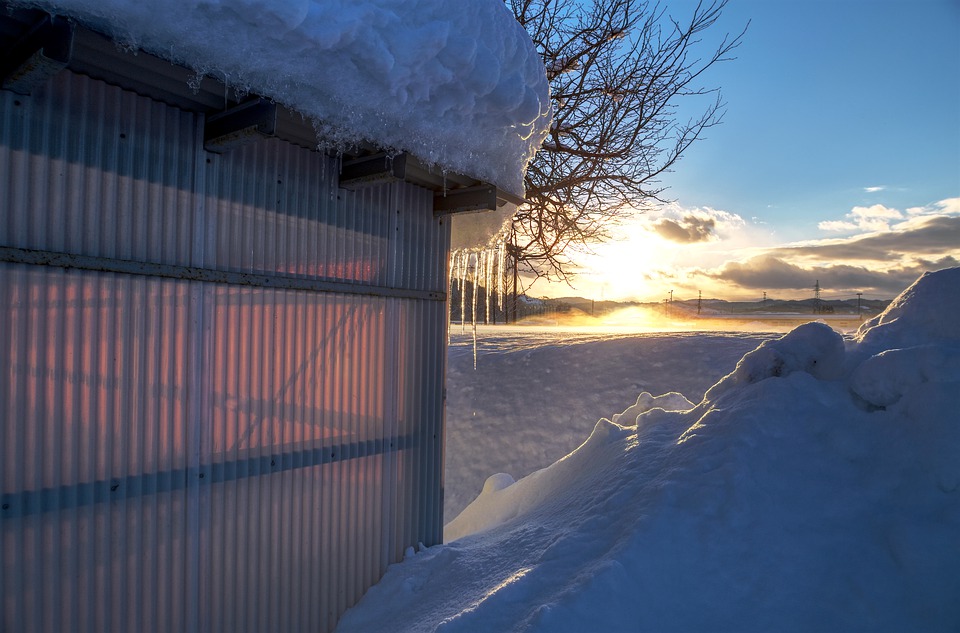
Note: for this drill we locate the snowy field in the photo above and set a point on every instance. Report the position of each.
(815, 487)
(537, 391)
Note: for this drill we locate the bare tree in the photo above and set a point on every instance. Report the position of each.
(617, 69)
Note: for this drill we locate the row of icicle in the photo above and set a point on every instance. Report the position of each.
(480, 267)
(484, 268)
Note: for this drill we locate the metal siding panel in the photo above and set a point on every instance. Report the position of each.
(275, 208)
(88, 543)
(429, 250)
(336, 348)
(88, 166)
(97, 173)
(170, 447)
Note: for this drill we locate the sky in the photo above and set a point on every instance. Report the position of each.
(838, 161)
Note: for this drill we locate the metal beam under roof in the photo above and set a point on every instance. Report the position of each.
(241, 124)
(39, 54)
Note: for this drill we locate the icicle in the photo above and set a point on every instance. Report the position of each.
(463, 290)
(473, 307)
(481, 275)
(477, 299)
(501, 276)
(472, 269)
(194, 81)
(473, 287)
(474, 345)
(339, 166)
(487, 282)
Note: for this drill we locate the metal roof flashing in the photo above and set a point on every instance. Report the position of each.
(35, 46)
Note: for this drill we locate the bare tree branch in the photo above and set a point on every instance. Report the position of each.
(617, 69)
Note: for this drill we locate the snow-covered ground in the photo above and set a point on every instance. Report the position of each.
(815, 487)
(538, 391)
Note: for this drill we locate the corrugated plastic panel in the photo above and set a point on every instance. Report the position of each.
(99, 171)
(281, 434)
(422, 241)
(274, 208)
(199, 456)
(96, 450)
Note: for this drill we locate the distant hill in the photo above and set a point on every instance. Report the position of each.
(778, 306)
(500, 308)
(868, 307)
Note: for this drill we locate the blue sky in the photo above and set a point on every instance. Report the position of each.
(842, 127)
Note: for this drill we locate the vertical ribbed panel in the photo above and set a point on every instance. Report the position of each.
(95, 505)
(421, 240)
(96, 396)
(195, 456)
(99, 171)
(294, 374)
(274, 208)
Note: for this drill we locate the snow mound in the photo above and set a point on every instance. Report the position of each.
(913, 343)
(672, 401)
(816, 487)
(926, 312)
(502, 499)
(883, 379)
(461, 88)
(814, 348)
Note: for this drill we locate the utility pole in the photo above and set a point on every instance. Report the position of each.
(816, 298)
(859, 309)
(671, 296)
(764, 297)
(699, 300)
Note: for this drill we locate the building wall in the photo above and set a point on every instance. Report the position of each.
(222, 400)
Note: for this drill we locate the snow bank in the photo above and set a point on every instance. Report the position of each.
(904, 324)
(460, 86)
(672, 401)
(537, 392)
(814, 348)
(815, 487)
(503, 499)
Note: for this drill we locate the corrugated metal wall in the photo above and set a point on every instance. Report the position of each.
(241, 454)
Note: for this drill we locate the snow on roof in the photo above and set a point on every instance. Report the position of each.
(459, 85)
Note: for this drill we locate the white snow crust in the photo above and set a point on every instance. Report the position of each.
(459, 85)
(816, 487)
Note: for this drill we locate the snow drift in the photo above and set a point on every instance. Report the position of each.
(815, 487)
(461, 87)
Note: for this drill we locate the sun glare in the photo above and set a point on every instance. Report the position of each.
(628, 267)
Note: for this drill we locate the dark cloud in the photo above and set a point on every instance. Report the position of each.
(944, 262)
(687, 231)
(772, 274)
(938, 235)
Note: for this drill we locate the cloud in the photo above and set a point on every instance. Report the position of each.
(695, 225)
(837, 226)
(688, 230)
(875, 189)
(723, 255)
(873, 218)
(771, 274)
(881, 261)
(918, 236)
(950, 206)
